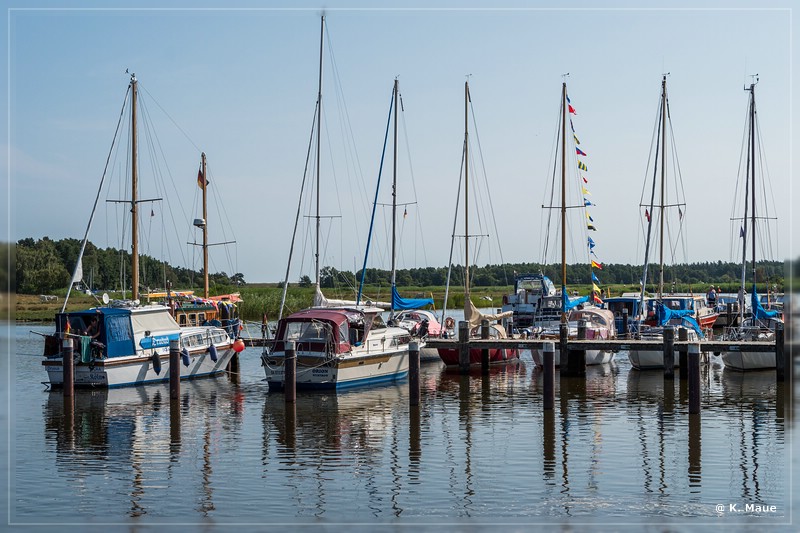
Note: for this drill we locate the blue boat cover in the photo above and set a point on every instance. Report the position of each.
(568, 304)
(758, 310)
(408, 303)
(665, 314)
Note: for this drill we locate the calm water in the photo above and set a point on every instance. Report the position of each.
(619, 449)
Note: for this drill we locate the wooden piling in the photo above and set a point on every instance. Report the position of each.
(576, 359)
(67, 354)
(413, 374)
(683, 369)
(548, 356)
(174, 369)
(780, 355)
(669, 352)
(485, 351)
(463, 346)
(624, 323)
(693, 357)
(290, 373)
(729, 313)
(563, 334)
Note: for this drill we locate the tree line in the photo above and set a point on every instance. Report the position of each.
(44, 266)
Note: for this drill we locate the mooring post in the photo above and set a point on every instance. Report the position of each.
(729, 313)
(624, 322)
(780, 355)
(174, 369)
(683, 369)
(669, 352)
(577, 358)
(693, 357)
(548, 356)
(413, 373)
(290, 373)
(463, 346)
(68, 368)
(485, 351)
(563, 333)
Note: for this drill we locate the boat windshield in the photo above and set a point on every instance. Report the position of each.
(306, 332)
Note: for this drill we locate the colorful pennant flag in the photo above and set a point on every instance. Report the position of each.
(741, 231)
(597, 299)
(584, 179)
(595, 288)
(589, 216)
(596, 265)
(576, 139)
(647, 215)
(587, 203)
(571, 126)
(579, 151)
(591, 227)
(572, 109)
(582, 166)
(680, 213)
(583, 189)
(405, 212)
(591, 243)
(568, 100)
(200, 181)
(594, 278)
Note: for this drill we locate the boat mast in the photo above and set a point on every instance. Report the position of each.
(466, 192)
(205, 227)
(753, 174)
(394, 195)
(134, 206)
(319, 129)
(663, 179)
(563, 200)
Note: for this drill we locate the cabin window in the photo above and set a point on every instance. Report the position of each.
(192, 319)
(182, 320)
(202, 318)
(378, 323)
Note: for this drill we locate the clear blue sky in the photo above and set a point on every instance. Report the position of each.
(242, 85)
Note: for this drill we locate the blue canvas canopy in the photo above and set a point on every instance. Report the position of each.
(758, 310)
(408, 303)
(665, 314)
(568, 304)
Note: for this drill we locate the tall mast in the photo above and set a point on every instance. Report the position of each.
(753, 174)
(394, 192)
(663, 180)
(466, 190)
(205, 227)
(319, 129)
(563, 198)
(134, 185)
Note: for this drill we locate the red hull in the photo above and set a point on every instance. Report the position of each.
(496, 355)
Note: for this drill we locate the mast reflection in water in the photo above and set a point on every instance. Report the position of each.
(619, 447)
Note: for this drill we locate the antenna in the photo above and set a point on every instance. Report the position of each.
(753, 80)
(564, 76)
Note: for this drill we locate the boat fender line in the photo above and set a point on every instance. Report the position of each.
(185, 356)
(449, 322)
(156, 359)
(212, 351)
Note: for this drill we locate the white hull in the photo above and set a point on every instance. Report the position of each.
(593, 357)
(649, 359)
(745, 360)
(346, 370)
(137, 370)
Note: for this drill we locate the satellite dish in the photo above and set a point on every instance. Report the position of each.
(106, 299)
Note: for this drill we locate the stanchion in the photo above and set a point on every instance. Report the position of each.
(693, 357)
(174, 369)
(290, 373)
(548, 356)
(413, 374)
(68, 368)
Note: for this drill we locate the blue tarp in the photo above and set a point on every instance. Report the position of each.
(665, 314)
(758, 310)
(567, 304)
(408, 303)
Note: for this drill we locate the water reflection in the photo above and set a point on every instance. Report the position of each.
(134, 434)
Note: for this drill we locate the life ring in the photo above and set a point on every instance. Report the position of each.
(449, 323)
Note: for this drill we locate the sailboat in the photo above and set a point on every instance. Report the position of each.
(124, 343)
(472, 315)
(555, 310)
(761, 323)
(660, 311)
(338, 345)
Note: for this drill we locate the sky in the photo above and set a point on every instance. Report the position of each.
(241, 85)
